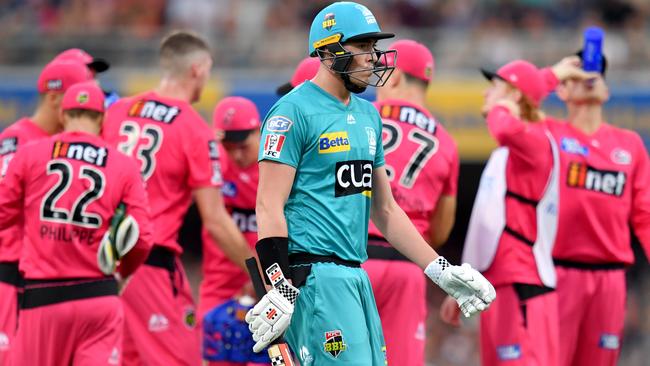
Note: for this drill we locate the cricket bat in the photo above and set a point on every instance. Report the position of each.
(278, 350)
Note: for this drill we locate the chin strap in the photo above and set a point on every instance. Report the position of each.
(350, 86)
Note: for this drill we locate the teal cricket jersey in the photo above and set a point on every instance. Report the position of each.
(334, 148)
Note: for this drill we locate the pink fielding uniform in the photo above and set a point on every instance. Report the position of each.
(223, 279)
(177, 154)
(422, 161)
(68, 187)
(11, 139)
(520, 327)
(604, 189)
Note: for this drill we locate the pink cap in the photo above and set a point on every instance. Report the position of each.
(306, 69)
(87, 95)
(236, 116)
(413, 58)
(79, 55)
(522, 75)
(58, 76)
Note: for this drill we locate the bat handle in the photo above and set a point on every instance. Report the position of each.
(256, 277)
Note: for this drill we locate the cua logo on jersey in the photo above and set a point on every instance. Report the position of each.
(605, 181)
(352, 177)
(329, 21)
(8, 145)
(82, 151)
(334, 343)
(154, 110)
(409, 115)
(278, 124)
(333, 142)
(273, 145)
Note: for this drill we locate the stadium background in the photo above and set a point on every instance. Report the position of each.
(258, 42)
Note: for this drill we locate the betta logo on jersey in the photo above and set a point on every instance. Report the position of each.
(410, 115)
(333, 142)
(82, 151)
(334, 343)
(352, 177)
(154, 110)
(8, 145)
(605, 181)
(329, 21)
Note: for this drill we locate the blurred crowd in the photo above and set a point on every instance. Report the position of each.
(492, 30)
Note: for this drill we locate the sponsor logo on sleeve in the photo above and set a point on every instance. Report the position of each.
(273, 145)
(621, 156)
(352, 177)
(333, 142)
(334, 343)
(213, 150)
(372, 140)
(573, 146)
(509, 352)
(278, 124)
(154, 110)
(216, 173)
(583, 176)
(609, 341)
(8, 145)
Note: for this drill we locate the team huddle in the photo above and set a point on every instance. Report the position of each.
(342, 201)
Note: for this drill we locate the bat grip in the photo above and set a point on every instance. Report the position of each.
(256, 277)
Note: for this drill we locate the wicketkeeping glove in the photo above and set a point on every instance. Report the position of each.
(269, 318)
(471, 290)
(119, 239)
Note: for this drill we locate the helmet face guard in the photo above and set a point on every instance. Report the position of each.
(382, 68)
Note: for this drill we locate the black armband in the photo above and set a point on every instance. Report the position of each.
(273, 250)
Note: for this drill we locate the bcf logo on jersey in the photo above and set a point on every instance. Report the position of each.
(333, 142)
(352, 177)
(278, 124)
(273, 145)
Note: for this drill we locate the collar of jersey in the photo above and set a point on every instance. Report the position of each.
(336, 101)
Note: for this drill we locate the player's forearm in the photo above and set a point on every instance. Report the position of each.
(402, 235)
(231, 241)
(270, 219)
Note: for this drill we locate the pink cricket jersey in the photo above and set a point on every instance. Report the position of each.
(604, 188)
(176, 152)
(68, 187)
(421, 161)
(222, 278)
(13, 138)
(527, 173)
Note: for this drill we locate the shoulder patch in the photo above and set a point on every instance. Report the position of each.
(278, 124)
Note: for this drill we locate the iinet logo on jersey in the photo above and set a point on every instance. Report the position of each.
(154, 110)
(82, 151)
(605, 181)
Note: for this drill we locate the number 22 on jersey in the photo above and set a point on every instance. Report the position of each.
(142, 143)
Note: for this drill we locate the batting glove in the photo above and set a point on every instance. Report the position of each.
(470, 289)
(269, 318)
(119, 239)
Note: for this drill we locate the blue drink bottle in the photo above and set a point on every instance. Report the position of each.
(592, 54)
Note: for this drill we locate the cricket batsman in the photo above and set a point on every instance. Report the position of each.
(322, 177)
